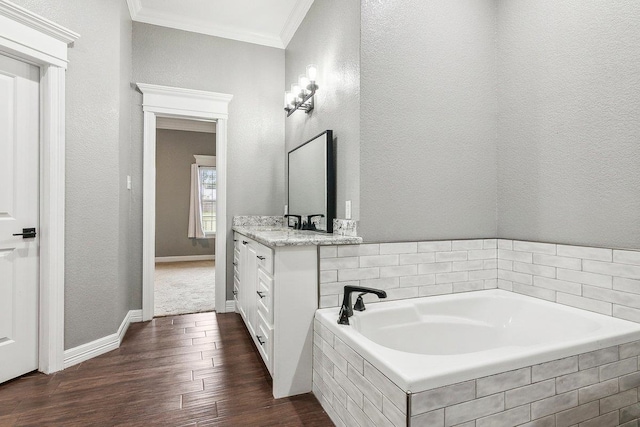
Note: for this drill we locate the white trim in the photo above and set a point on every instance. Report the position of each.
(294, 20)
(29, 37)
(186, 125)
(185, 258)
(87, 351)
(231, 306)
(190, 104)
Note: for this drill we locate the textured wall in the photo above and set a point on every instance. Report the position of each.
(254, 76)
(174, 157)
(428, 120)
(568, 127)
(96, 268)
(329, 37)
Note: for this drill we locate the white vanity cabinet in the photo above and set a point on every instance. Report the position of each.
(276, 293)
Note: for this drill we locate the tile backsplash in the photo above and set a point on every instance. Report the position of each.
(602, 280)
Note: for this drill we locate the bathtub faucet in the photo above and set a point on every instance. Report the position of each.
(346, 311)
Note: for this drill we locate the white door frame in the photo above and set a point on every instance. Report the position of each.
(31, 38)
(165, 101)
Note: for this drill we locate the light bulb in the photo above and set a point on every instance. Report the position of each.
(303, 81)
(288, 99)
(295, 90)
(312, 72)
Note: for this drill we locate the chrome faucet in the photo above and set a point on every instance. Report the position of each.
(346, 311)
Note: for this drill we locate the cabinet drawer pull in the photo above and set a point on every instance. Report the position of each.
(235, 263)
(261, 258)
(235, 240)
(235, 293)
(260, 294)
(244, 242)
(259, 337)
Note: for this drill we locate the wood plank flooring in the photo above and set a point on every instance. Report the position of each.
(194, 370)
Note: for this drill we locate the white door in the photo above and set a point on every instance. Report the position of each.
(19, 187)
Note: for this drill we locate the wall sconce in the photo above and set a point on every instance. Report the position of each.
(301, 95)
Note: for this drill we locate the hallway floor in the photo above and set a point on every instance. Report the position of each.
(184, 287)
(195, 370)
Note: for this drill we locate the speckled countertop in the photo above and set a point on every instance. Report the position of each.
(279, 236)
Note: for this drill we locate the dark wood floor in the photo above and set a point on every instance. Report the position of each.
(191, 370)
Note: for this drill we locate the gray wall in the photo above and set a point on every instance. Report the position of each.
(329, 37)
(568, 141)
(97, 273)
(254, 76)
(174, 157)
(428, 120)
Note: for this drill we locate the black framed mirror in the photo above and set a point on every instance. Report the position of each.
(311, 181)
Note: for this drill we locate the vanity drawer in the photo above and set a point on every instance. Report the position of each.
(265, 296)
(265, 258)
(264, 341)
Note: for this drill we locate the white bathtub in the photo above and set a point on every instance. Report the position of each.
(429, 342)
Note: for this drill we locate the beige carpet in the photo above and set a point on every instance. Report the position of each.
(184, 287)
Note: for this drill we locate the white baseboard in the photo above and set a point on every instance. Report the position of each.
(87, 351)
(185, 258)
(230, 306)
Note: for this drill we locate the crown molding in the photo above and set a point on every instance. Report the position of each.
(294, 20)
(36, 22)
(165, 20)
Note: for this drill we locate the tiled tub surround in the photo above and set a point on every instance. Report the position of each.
(408, 270)
(605, 281)
(594, 389)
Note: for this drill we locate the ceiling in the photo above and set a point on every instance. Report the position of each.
(265, 22)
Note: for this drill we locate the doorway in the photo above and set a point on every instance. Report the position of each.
(179, 103)
(186, 193)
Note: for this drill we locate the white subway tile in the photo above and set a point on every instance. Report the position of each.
(431, 290)
(462, 412)
(438, 267)
(358, 273)
(476, 285)
(627, 382)
(368, 390)
(467, 265)
(558, 285)
(557, 261)
(629, 349)
(491, 264)
(610, 295)
(505, 244)
(441, 246)
(534, 269)
(626, 257)
(502, 382)
(358, 250)
(598, 357)
(338, 263)
(585, 278)
(376, 416)
(533, 291)
(358, 413)
(393, 413)
(577, 380)
(584, 303)
(607, 420)
(483, 274)
(554, 368)
(398, 248)
(482, 254)
(620, 400)
(618, 369)
(529, 393)
(401, 270)
(584, 252)
(465, 245)
(378, 260)
(542, 248)
(402, 293)
(327, 301)
(626, 285)
(598, 391)
(554, 404)
(351, 389)
(626, 313)
(504, 264)
(431, 419)
(512, 276)
(508, 285)
(515, 256)
(511, 417)
(441, 397)
(328, 251)
(451, 256)
(490, 244)
(612, 269)
(335, 288)
(419, 258)
(491, 283)
(385, 385)
(461, 276)
(328, 276)
(578, 414)
(382, 283)
(420, 280)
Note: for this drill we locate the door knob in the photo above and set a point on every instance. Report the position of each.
(27, 233)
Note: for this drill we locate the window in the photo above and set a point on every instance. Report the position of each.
(208, 181)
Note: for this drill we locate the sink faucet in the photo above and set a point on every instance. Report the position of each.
(346, 311)
(298, 224)
(309, 225)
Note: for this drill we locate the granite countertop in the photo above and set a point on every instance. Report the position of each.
(280, 236)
